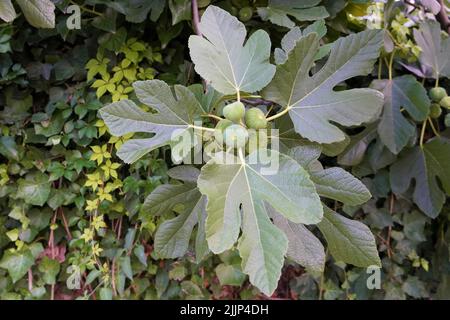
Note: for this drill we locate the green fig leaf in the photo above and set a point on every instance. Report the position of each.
(176, 113)
(222, 58)
(406, 92)
(425, 166)
(348, 240)
(434, 49)
(243, 184)
(311, 101)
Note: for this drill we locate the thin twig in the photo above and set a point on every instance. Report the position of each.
(391, 211)
(113, 276)
(30, 280)
(322, 278)
(280, 114)
(435, 131)
(195, 18)
(414, 5)
(119, 230)
(391, 61)
(213, 116)
(66, 225)
(270, 110)
(422, 133)
(51, 238)
(443, 18)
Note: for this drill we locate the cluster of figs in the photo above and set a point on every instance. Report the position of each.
(440, 100)
(240, 126)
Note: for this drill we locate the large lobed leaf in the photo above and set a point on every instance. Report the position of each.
(262, 245)
(303, 247)
(289, 139)
(311, 100)
(332, 183)
(290, 39)
(224, 60)
(434, 50)
(176, 113)
(348, 240)
(394, 129)
(425, 166)
(278, 11)
(356, 150)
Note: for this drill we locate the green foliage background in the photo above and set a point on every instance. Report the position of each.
(57, 157)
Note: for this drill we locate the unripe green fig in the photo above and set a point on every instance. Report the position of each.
(445, 102)
(447, 120)
(437, 93)
(255, 119)
(234, 111)
(220, 128)
(240, 3)
(257, 139)
(435, 110)
(235, 136)
(245, 14)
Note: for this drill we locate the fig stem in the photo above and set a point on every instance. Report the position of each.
(282, 113)
(202, 128)
(211, 116)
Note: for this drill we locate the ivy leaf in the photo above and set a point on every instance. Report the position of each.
(394, 129)
(434, 49)
(34, 189)
(39, 13)
(173, 235)
(277, 11)
(425, 165)
(7, 12)
(348, 240)
(8, 148)
(311, 100)
(333, 183)
(17, 263)
(303, 248)
(262, 246)
(176, 112)
(222, 58)
(50, 269)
